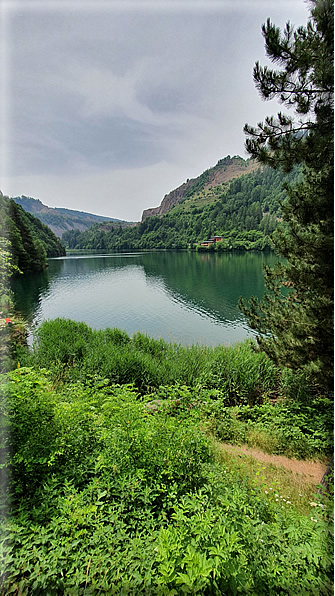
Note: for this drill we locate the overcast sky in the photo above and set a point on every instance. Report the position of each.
(107, 106)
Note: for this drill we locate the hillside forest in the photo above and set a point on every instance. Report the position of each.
(31, 241)
(245, 211)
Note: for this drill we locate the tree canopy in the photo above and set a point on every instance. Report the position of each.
(295, 318)
(30, 241)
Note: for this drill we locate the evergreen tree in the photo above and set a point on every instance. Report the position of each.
(295, 318)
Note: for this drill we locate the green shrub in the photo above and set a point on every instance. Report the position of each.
(61, 342)
(234, 543)
(244, 374)
(108, 495)
(302, 430)
(72, 350)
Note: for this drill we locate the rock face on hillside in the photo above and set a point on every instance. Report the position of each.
(170, 200)
(225, 170)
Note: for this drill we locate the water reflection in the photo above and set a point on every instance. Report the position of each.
(181, 296)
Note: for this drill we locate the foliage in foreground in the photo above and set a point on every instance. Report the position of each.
(109, 494)
(232, 386)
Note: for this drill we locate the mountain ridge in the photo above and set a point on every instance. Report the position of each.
(223, 172)
(61, 219)
(237, 200)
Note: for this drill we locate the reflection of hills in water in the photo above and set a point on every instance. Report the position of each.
(88, 264)
(28, 293)
(208, 282)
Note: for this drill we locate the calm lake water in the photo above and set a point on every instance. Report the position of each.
(180, 296)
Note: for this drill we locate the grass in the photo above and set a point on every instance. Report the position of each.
(76, 350)
(276, 482)
(288, 427)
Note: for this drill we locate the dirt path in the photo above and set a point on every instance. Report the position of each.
(312, 471)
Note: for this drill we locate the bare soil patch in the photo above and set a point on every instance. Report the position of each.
(311, 471)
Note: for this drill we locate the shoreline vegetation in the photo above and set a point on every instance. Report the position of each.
(244, 211)
(118, 480)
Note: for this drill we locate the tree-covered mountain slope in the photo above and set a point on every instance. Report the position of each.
(60, 219)
(225, 170)
(31, 242)
(244, 211)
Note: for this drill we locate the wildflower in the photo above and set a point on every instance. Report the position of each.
(266, 492)
(277, 499)
(313, 504)
(288, 502)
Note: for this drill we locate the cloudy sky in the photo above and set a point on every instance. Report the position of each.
(107, 106)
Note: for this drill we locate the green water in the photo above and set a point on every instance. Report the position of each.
(179, 296)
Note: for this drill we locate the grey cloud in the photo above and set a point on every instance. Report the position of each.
(105, 90)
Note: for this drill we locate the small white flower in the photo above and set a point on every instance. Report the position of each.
(288, 502)
(271, 488)
(266, 492)
(277, 495)
(277, 499)
(313, 504)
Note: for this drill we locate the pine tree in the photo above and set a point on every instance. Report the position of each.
(295, 317)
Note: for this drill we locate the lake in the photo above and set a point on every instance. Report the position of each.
(182, 297)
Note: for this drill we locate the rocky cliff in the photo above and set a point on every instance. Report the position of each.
(225, 170)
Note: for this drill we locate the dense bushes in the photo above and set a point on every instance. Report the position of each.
(74, 350)
(109, 494)
(294, 429)
(112, 481)
(231, 386)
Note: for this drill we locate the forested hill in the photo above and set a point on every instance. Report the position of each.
(225, 170)
(60, 219)
(31, 242)
(244, 211)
